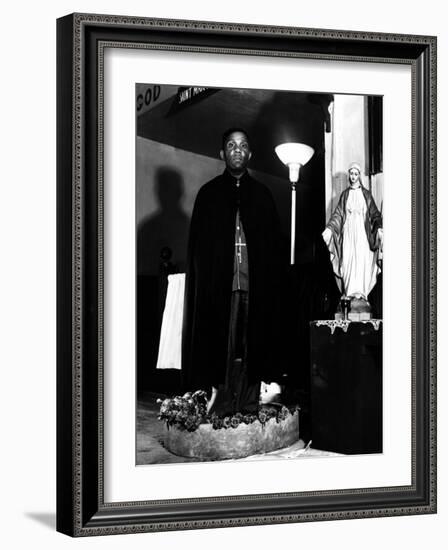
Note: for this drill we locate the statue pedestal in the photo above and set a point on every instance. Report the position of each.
(360, 310)
(346, 386)
(355, 316)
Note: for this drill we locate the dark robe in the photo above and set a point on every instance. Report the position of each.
(209, 278)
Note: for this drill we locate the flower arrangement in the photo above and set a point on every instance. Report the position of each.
(190, 411)
(186, 412)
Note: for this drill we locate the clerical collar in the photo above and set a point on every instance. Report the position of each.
(240, 179)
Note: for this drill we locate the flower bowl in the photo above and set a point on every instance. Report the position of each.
(208, 443)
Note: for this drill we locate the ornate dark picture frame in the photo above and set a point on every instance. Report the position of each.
(81, 40)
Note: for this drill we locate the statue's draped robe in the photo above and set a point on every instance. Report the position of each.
(209, 279)
(354, 243)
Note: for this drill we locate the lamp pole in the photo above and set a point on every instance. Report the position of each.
(294, 171)
(294, 156)
(293, 221)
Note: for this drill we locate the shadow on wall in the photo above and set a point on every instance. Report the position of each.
(168, 227)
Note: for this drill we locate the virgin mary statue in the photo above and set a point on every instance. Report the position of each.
(354, 237)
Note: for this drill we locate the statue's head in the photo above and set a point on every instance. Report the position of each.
(354, 173)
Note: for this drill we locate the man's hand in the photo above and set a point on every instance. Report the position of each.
(212, 399)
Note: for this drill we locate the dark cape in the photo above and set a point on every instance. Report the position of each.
(209, 278)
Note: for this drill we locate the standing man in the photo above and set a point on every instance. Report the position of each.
(231, 309)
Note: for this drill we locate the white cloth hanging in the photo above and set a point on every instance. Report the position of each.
(170, 346)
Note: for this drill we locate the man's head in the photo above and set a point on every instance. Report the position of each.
(236, 150)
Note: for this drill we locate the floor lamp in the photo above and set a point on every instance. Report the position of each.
(294, 155)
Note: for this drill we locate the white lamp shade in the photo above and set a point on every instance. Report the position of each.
(294, 153)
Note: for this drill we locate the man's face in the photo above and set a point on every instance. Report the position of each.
(353, 174)
(236, 152)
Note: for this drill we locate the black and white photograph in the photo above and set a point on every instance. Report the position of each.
(259, 264)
